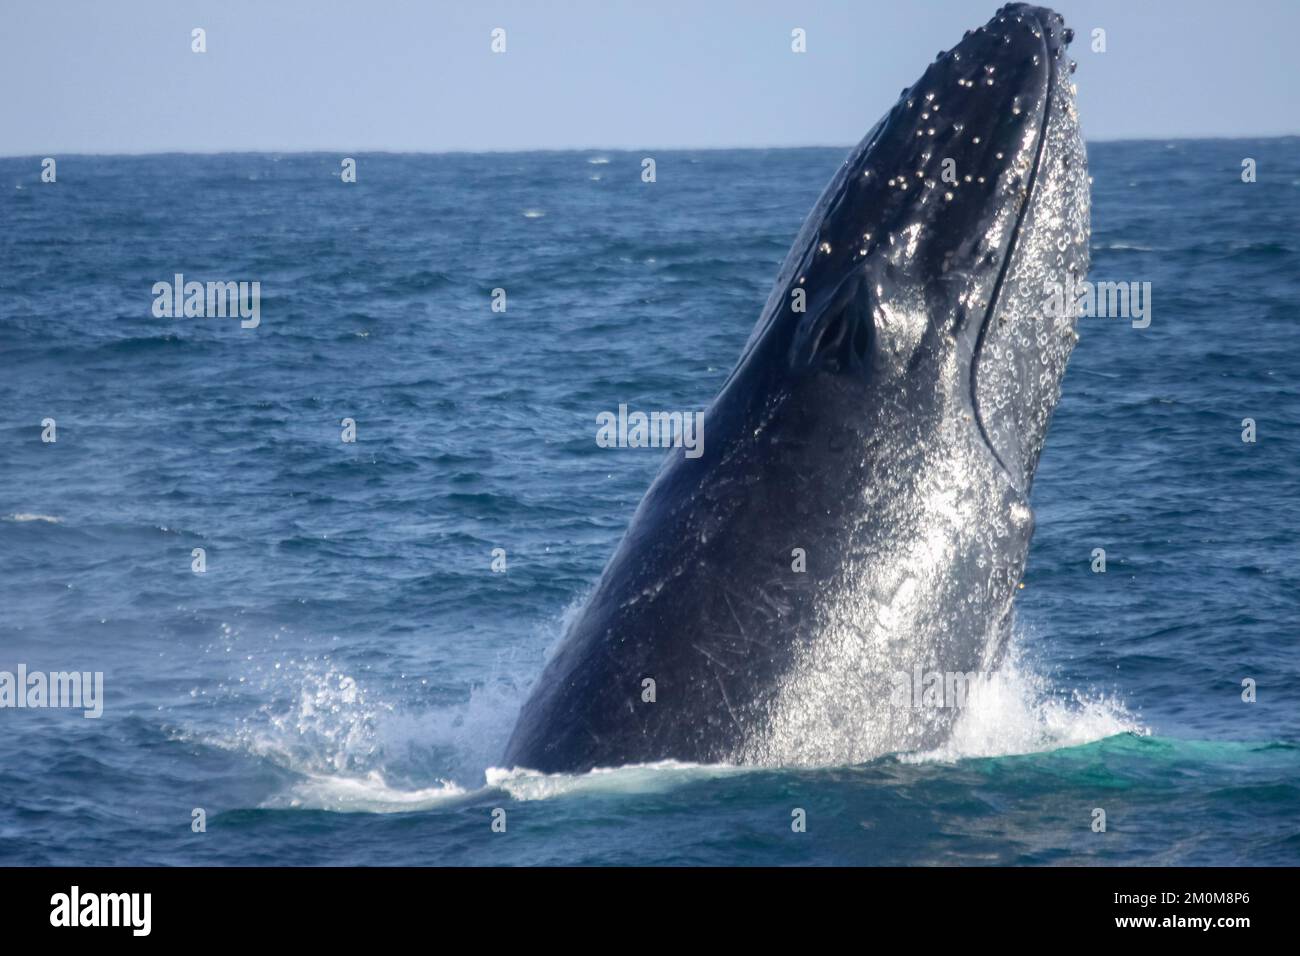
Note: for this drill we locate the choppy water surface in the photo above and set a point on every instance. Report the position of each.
(337, 687)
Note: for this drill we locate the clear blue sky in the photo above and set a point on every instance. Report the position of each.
(118, 75)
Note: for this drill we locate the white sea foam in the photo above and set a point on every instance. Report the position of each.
(1017, 711)
(368, 794)
(1124, 247)
(27, 516)
(655, 777)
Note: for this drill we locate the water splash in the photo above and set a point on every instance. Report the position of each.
(351, 751)
(1017, 710)
(328, 725)
(352, 748)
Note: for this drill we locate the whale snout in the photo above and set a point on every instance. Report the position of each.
(1052, 25)
(911, 239)
(957, 155)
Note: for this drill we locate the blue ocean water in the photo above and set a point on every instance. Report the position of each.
(337, 687)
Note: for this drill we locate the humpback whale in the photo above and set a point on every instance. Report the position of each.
(860, 510)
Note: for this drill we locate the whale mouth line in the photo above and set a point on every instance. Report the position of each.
(1012, 245)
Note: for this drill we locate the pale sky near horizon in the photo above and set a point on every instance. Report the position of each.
(88, 76)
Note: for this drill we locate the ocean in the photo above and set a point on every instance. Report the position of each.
(336, 686)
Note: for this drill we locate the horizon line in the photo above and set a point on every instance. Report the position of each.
(506, 150)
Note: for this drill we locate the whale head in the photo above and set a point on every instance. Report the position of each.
(934, 252)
